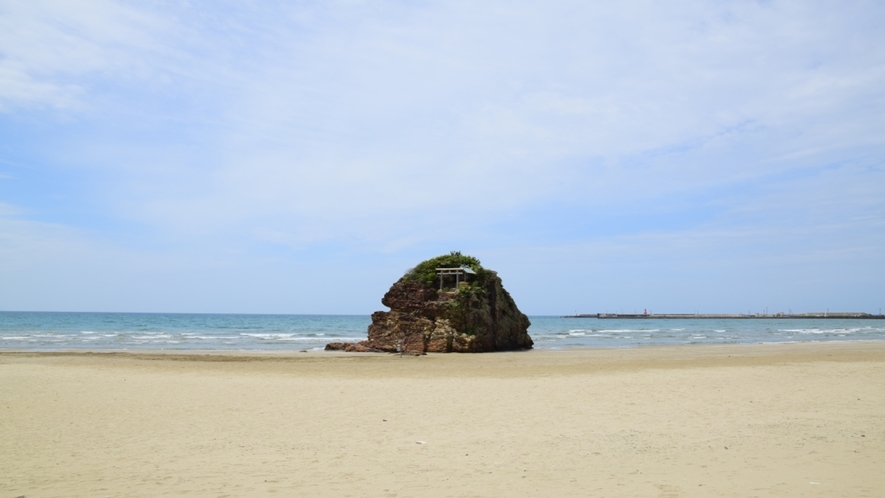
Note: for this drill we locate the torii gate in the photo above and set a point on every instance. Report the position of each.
(457, 272)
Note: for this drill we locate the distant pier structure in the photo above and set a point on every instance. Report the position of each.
(702, 316)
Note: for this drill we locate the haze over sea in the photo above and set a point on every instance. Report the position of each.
(59, 331)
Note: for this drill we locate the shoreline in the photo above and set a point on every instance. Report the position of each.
(315, 353)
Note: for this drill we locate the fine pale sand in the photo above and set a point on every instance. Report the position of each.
(740, 420)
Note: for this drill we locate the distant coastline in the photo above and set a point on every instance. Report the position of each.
(721, 316)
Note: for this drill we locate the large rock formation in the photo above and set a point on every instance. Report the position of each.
(463, 317)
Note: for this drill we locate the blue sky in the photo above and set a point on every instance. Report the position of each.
(298, 157)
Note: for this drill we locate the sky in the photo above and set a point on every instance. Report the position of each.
(299, 157)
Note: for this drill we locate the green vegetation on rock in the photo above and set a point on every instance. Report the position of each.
(425, 272)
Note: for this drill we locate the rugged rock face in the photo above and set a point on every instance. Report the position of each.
(473, 317)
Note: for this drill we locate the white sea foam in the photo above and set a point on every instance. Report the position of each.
(277, 336)
(152, 336)
(294, 337)
(627, 331)
(821, 331)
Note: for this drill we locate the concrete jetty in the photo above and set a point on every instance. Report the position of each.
(721, 316)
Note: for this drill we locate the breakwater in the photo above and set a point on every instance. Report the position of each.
(722, 316)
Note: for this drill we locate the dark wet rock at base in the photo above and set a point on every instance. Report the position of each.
(350, 347)
(473, 317)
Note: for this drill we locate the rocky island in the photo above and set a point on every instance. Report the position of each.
(447, 304)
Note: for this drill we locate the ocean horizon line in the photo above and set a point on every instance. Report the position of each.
(605, 315)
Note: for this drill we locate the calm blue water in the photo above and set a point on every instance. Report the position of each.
(39, 331)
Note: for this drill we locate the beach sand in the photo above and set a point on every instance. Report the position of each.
(737, 420)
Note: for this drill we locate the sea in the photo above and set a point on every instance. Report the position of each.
(66, 331)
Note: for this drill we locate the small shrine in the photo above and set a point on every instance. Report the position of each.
(461, 274)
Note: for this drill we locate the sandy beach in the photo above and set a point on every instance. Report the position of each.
(738, 420)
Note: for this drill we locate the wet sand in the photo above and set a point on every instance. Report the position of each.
(738, 420)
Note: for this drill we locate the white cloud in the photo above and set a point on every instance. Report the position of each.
(388, 127)
(50, 48)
